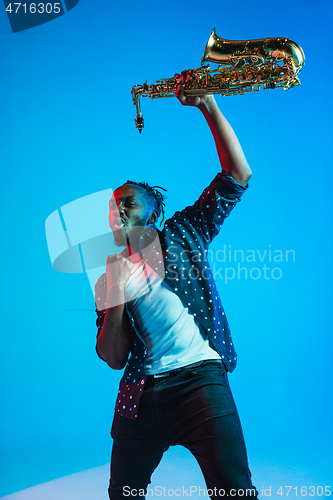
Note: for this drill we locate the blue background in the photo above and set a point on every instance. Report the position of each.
(67, 130)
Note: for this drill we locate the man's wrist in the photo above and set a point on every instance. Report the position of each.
(115, 295)
(208, 104)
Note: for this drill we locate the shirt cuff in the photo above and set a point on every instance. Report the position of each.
(226, 185)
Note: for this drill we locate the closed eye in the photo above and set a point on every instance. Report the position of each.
(113, 205)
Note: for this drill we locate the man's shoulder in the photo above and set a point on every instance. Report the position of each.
(177, 222)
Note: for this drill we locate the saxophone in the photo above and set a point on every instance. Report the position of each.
(243, 66)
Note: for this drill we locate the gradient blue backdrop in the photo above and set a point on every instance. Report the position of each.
(67, 130)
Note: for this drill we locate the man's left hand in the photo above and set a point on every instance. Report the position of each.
(190, 100)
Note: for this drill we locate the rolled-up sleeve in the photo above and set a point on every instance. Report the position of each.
(214, 205)
(228, 187)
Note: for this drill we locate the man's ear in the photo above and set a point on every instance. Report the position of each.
(153, 218)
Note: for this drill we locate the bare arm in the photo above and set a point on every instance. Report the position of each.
(229, 150)
(115, 338)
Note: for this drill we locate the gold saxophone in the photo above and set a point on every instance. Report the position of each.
(243, 66)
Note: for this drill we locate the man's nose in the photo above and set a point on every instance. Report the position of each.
(120, 209)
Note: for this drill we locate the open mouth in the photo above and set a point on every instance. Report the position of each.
(118, 223)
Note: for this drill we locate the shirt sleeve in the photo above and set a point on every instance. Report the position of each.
(214, 205)
(100, 301)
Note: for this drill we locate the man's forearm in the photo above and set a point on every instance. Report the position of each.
(229, 150)
(114, 340)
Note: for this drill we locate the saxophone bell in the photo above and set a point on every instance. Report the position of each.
(221, 51)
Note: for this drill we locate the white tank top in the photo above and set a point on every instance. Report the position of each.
(171, 333)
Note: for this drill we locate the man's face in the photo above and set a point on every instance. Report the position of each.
(128, 214)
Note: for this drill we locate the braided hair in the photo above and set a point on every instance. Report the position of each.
(154, 197)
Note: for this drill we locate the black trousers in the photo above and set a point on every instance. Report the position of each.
(192, 407)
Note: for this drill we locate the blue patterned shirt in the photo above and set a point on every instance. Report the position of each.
(184, 242)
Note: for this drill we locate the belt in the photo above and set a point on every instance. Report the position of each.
(182, 368)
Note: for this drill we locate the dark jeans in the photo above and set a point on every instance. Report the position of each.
(192, 407)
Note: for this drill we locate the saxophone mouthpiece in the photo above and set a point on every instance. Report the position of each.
(139, 123)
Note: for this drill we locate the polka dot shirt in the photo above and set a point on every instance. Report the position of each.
(180, 254)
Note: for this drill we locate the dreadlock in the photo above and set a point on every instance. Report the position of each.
(154, 197)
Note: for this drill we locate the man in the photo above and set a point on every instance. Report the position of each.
(158, 303)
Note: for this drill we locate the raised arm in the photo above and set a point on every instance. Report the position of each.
(229, 150)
